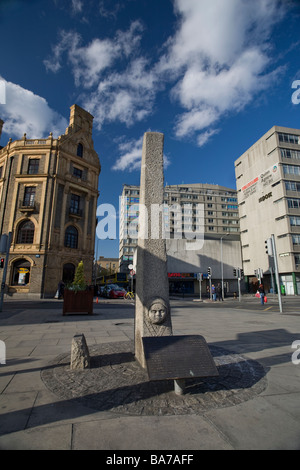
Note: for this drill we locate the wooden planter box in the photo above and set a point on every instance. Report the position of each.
(78, 302)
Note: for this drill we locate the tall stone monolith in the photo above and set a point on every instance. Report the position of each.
(152, 311)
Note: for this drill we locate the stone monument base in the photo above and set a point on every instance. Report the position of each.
(116, 382)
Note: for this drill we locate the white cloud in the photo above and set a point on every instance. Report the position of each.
(218, 61)
(195, 120)
(26, 112)
(112, 91)
(126, 96)
(205, 136)
(89, 62)
(131, 156)
(77, 6)
(219, 57)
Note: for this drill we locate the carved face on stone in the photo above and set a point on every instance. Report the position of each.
(158, 311)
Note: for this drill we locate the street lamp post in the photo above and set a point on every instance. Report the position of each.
(222, 264)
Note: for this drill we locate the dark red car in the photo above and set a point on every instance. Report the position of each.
(117, 292)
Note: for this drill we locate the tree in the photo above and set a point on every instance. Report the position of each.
(79, 281)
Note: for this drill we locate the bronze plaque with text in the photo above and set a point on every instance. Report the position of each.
(178, 357)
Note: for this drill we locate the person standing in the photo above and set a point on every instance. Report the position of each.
(219, 292)
(261, 293)
(213, 291)
(208, 292)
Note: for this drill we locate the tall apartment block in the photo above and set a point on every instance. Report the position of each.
(268, 184)
(48, 201)
(211, 208)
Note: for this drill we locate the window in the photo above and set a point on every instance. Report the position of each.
(77, 172)
(75, 204)
(293, 203)
(288, 153)
(295, 221)
(79, 150)
(291, 169)
(26, 232)
(33, 166)
(1, 171)
(68, 273)
(71, 237)
(290, 138)
(229, 199)
(292, 186)
(296, 239)
(29, 196)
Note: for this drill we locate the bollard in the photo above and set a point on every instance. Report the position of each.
(179, 386)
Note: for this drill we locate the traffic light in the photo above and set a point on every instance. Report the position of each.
(234, 272)
(269, 247)
(209, 272)
(242, 273)
(1, 262)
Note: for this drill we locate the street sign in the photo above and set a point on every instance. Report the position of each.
(130, 266)
(132, 272)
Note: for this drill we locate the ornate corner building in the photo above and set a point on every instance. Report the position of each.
(48, 201)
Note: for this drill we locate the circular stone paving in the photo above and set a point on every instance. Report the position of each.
(116, 382)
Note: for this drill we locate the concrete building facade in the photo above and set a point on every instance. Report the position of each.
(211, 208)
(48, 201)
(268, 185)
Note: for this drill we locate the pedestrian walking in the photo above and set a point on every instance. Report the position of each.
(61, 289)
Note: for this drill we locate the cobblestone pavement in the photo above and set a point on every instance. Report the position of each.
(116, 382)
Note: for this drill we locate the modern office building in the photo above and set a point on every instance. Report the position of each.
(48, 202)
(268, 184)
(212, 209)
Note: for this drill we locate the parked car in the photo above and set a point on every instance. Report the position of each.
(101, 291)
(117, 292)
(107, 289)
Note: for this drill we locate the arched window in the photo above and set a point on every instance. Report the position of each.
(71, 237)
(20, 273)
(79, 150)
(26, 232)
(68, 273)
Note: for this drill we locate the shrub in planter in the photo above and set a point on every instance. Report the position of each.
(78, 297)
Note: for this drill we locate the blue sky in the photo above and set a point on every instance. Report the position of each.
(212, 75)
